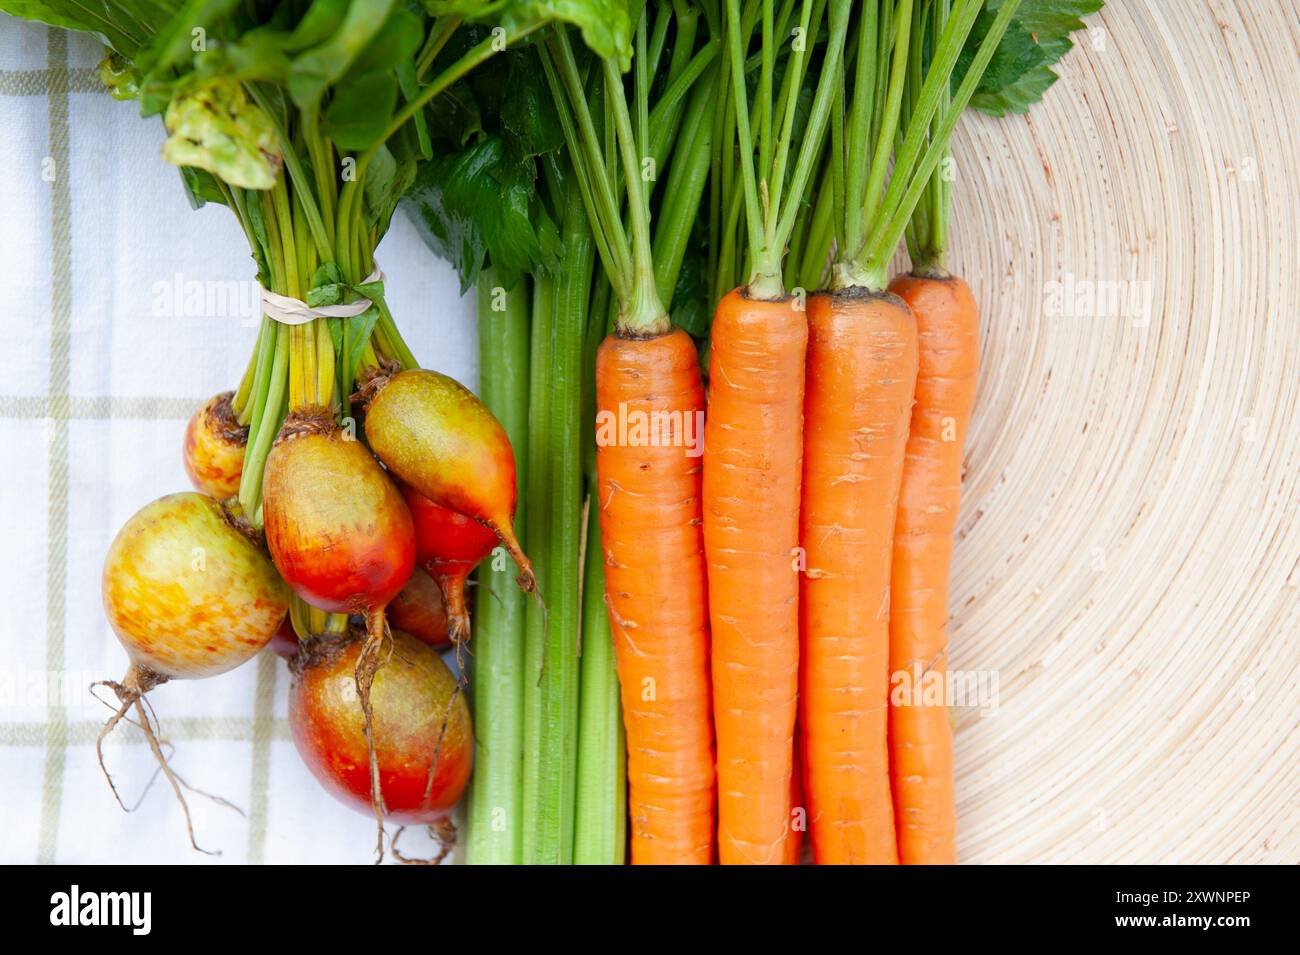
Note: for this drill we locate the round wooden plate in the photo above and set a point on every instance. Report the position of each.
(1128, 557)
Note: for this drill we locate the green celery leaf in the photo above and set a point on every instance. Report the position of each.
(396, 42)
(324, 64)
(606, 25)
(360, 110)
(1020, 71)
(441, 206)
(1016, 54)
(549, 246)
(387, 180)
(1053, 18)
(528, 116)
(480, 202)
(380, 176)
(317, 25)
(455, 118)
(1017, 97)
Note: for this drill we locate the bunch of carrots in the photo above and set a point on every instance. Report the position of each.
(761, 597)
(729, 442)
(809, 425)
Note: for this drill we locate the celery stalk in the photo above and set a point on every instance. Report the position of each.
(537, 528)
(494, 822)
(555, 487)
(601, 829)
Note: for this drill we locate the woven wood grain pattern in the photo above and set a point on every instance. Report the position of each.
(1127, 557)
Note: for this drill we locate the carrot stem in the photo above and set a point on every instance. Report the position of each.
(685, 188)
(589, 165)
(819, 117)
(892, 107)
(644, 314)
(856, 126)
(771, 223)
(927, 231)
(889, 230)
(817, 247)
(682, 75)
(753, 212)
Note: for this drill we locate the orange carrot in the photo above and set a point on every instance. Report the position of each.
(920, 736)
(655, 588)
(799, 808)
(649, 402)
(862, 364)
(753, 445)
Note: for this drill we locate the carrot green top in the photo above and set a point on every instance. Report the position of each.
(771, 222)
(626, 253)
(872, 216)
(1018, 74)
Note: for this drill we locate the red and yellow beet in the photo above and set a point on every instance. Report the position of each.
(187, 593)
(437, 437)
(449, 546)
(418, 609)
(423, 741)
(337, 527)
(214, 448)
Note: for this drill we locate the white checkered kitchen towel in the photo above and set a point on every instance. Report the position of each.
(106, 356)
